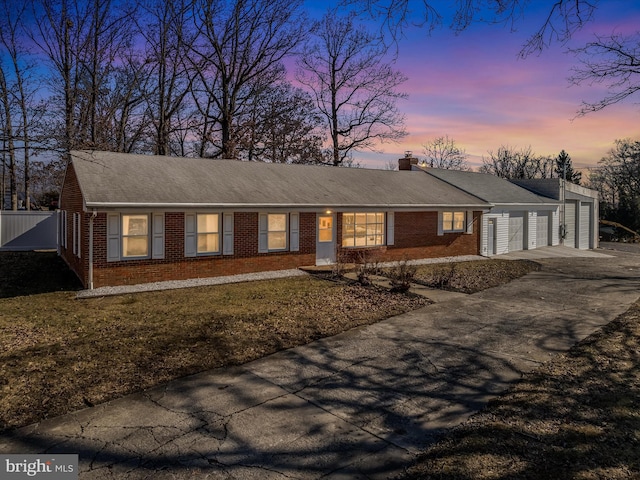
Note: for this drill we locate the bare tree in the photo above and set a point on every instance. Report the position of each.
(82, 42)
(354, 88)
(283, 127)
(21, 67)
(442, 152)
(510, 163)
(391, 165)
(617, 180)
(8, 137)
(164, 26)
(612, 61)
(239, 49)
(563, 18)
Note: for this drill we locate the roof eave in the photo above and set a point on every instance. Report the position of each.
(189, 205)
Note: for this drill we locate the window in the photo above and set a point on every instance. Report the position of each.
(208, 233)
(453, 221)
(277, 231)
(208, 226)
(76, 234)
(325, 228)
(135, 236)
(362, 229)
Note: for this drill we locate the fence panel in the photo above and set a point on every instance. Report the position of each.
(23, 230)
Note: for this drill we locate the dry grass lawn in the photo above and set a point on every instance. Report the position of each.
(58, 354)
(471, 277)
(577, 417)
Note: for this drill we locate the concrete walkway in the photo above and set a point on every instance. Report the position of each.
(361, 404)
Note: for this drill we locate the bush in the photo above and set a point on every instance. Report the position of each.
(401, 276)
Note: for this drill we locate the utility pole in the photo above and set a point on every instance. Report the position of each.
(563, 228)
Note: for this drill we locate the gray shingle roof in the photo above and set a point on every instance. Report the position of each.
(490, 188)
(125, 180)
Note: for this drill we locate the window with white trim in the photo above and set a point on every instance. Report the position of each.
(62, 229)
(208, 231)
(363, 229)
(277, 231)
(76, 236)
(135, 235)
(453, 221)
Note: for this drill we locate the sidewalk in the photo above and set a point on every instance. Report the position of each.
(361, 404)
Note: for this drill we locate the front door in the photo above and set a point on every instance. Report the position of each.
(326, 240)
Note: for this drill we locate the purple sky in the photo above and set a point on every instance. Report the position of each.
(474, 88)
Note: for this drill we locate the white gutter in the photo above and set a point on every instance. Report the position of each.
(386, 206)
(94, 214)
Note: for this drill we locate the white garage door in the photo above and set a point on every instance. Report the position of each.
(570, 222)
(516, 231)
(542, 229)
(585, 225)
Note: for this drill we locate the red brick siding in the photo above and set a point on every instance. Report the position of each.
(175, 266)
(71, 202)
(416, 236)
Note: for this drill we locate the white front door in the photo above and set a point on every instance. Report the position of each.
(326, 240)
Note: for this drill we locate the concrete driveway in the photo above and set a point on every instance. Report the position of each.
(358, 405)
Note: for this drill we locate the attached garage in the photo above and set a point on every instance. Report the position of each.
(518, 219)
(516, 231)
(542, 229)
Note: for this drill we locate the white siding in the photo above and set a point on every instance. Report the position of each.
(502, 234)
(554, 218)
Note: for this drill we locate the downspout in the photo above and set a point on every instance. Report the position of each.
(94, 214)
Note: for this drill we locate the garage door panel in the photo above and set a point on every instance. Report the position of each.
(516, 231)
(570, 222)
(585, 225)
(542, 229)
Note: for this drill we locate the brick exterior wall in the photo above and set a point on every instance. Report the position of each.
(415, 237)
(71, 202)
(175, 266)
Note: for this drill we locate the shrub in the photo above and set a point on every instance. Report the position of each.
(401, 276)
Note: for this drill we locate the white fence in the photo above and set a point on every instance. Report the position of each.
(23, 230)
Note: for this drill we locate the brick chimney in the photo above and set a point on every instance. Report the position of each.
(408, 160)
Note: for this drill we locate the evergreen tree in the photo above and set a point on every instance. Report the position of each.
(564, 166)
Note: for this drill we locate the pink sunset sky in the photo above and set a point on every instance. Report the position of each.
(474, 88)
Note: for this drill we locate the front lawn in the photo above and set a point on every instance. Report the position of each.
(474, 276)
(58, 354)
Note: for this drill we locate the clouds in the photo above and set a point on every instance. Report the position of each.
(474, 88)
